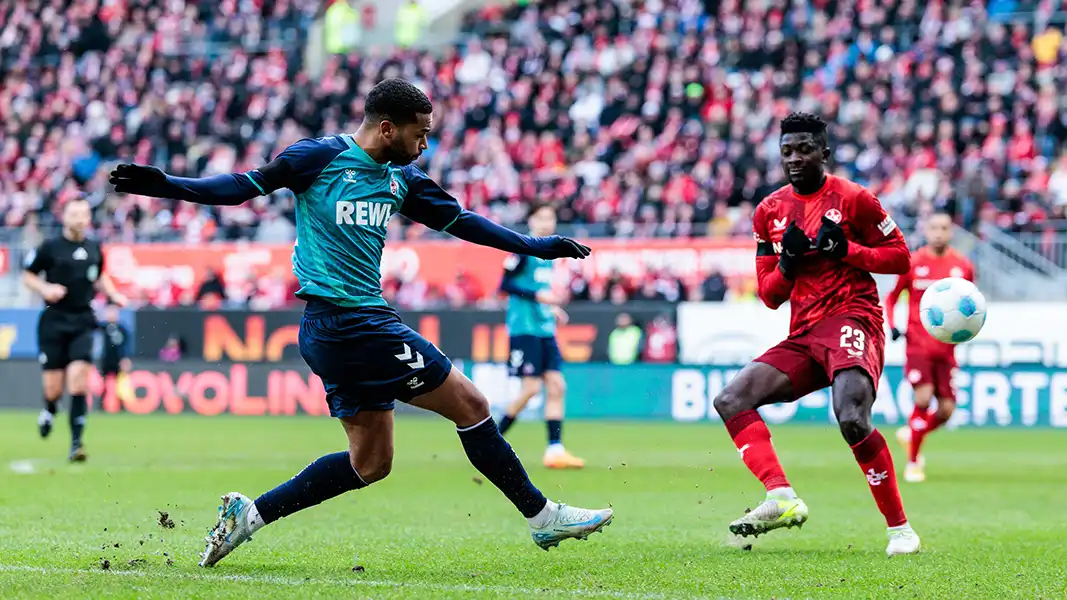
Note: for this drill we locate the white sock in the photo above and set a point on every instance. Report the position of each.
(253, 520)
(784, 493)
(556, 448)
(903, 527)
(546, 513)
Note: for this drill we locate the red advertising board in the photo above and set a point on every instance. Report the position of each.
(147, 266)
(5, 258)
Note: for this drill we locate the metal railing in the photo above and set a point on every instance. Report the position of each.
(1006, 272)
(1051, 245)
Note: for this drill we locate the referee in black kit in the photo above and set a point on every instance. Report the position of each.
(73, 271)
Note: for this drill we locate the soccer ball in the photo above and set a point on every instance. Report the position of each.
(953, 310)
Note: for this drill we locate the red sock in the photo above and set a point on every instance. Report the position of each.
(930, 422)
(753, 441)
(874, 458)
(919, 426)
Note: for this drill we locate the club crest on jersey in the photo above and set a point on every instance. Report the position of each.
(956, 272)
(834, 215)
(80, 254)
(922, 271)
(394, 185)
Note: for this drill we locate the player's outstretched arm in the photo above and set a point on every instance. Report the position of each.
(295, 168)
(430, 205)
(228, 189)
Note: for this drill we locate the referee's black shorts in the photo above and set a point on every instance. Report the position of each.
(64, 337)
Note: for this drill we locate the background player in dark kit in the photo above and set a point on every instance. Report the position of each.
(115, 350)
(67, 271)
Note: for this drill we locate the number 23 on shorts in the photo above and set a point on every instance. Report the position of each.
(853, 340)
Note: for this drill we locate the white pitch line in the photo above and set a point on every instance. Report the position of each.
(300, 581)
(22, 467)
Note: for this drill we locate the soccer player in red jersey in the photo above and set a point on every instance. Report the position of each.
(929, 364)
(817, 242)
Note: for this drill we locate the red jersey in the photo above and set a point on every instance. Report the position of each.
(824, 287)
(926, 269)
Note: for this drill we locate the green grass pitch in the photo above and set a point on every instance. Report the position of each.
(991, 516)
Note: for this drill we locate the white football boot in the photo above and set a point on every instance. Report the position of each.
(231, 530)
(564, 522)
(902, 540)
(773, 513)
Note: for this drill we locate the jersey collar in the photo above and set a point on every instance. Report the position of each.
(362, 158)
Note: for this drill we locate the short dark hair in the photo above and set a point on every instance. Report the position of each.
(538, 206)
(803, 122)
(398, 101)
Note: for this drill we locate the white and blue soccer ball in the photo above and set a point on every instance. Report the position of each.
(953, 310)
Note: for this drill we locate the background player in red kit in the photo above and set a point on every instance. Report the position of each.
(818, 241)
(929, 364)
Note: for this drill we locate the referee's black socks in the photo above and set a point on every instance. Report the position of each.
(51, 405)
(78, 408)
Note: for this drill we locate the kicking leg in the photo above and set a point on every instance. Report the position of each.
(556, 456)
(530, 387)
(853, 396)
(460, 402)
(756, 385)
(369, 459)
(78, 387)
(52, 381)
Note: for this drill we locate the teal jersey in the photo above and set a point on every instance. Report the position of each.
(344, 200)
(524, 277)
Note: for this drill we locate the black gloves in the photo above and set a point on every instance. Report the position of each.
(557, 246)
(794, 245)
(143, 180)
(831, 240)
(895, 334)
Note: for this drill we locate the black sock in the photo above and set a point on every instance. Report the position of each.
(491, 454)
(51, 405)
(555, 431)
(78, 408)
(327, 477)
(505, 424)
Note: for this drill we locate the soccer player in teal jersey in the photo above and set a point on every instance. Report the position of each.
(347, 187)
(533, 310)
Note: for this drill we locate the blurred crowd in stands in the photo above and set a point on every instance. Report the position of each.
(636, 118)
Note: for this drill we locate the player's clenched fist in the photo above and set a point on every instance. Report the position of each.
(795, 243)
(831, 240)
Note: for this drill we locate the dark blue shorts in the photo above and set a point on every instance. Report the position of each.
(531, 356)
(367, 358)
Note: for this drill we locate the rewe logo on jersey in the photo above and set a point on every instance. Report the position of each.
(362, 213)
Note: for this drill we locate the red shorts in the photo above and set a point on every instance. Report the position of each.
(811, 360)
(922, 369)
